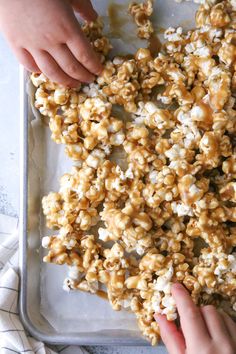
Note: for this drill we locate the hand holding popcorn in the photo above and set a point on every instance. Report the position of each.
(46, 36)
(203, 330)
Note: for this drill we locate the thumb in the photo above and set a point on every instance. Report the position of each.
(85, 9)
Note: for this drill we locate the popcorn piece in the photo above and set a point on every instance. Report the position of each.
(95, 109)
(141, 13)
(219, 88)
(94, 32)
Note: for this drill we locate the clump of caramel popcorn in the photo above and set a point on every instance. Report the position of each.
(141, 13)
(167, 213)
(94, 32)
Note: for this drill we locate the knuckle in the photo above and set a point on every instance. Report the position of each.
(67, 29)
(49, 37)
(72, 69)
(84, 58)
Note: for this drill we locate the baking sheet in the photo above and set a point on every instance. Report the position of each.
(77, 311)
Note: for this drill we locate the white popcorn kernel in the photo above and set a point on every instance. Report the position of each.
(80, 192)
(181, 209)
(94, 286)
(173, 35)
(122, 176)
(194, 189)
(140, 250)
(106, 149)
(153, 176)
(66, 285)
(92, 90)
(164, 99)
(118, 61)
(70, 243)
(150, 107)
(156, 301)
(233, 4)
(37, 80)
(46, 241)
(118, 139)
(103, 234)
(74, 273)
(168, 196)
(190, 47)
(92, 161)
(116, 184)
(61, 96)
(168, 301)
(162, 282)
(232, 260)
(127, 303)
(111, 129)
(203, 52)
(175, 152)
(129, 173)
(170, 316)
(197, 113)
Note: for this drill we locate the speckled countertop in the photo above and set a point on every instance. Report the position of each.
(9, 157)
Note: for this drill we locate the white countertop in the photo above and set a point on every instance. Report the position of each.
(9, 132)
(9, 157)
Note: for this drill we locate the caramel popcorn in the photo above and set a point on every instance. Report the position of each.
(141, 13)
(151, 200)
(100, 43)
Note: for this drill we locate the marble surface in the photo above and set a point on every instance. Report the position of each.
(9, 157)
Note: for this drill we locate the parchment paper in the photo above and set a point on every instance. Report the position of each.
(77, 311)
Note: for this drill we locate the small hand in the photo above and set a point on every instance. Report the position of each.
(46, 37)
(203, 330)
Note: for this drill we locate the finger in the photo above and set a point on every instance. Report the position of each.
(191, 320)
(66, 60)
(230, 325)
(213, 320)
(85, 9)
(171, 336)
(52, 70)
(26, 59)
(84, 53)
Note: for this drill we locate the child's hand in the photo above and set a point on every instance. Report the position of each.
(46, 36)
(203, 330)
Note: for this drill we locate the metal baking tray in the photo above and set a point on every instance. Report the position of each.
(47, 312)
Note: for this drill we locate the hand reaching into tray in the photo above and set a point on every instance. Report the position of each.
(46, 37)
(203, 330)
